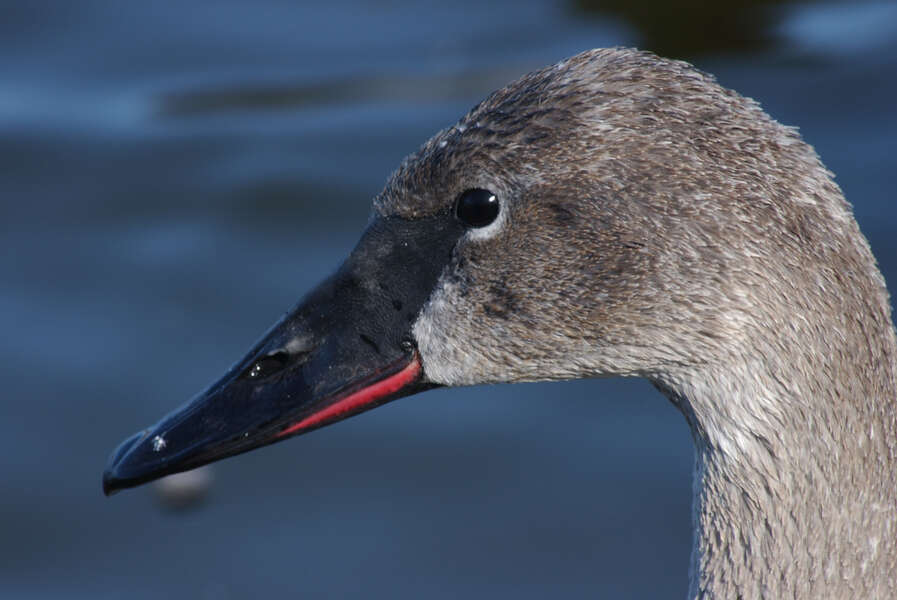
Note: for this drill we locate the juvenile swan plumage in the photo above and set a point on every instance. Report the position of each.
(615, 214)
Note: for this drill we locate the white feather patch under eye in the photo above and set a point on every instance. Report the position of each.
(444, 361)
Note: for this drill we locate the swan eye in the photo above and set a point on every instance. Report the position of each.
(267, 365)
(477, 207)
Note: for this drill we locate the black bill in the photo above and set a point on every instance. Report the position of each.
(345, 348)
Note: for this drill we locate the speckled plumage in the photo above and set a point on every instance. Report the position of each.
(655, 224)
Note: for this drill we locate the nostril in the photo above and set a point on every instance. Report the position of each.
(267, 365)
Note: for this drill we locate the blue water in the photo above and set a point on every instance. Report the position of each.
(175, 175)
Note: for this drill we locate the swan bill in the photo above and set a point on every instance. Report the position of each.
(344, 349)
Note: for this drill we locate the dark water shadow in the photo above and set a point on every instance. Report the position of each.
(692, 28)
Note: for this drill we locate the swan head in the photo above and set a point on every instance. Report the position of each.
(650, 222)
(613, 214)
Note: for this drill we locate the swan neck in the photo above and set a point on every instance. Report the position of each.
(794, 490)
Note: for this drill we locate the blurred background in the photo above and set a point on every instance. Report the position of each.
(174, 175)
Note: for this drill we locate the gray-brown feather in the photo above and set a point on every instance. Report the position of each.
(659, 225)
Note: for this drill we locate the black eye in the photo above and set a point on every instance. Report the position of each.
(477, 207)
(267, 365)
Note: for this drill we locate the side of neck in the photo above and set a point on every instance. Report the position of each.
(795, 484)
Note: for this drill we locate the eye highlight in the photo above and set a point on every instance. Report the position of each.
(477, 207)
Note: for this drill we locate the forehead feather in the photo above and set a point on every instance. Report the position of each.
(555, 121)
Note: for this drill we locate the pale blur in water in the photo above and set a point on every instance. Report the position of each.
(175, 175)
